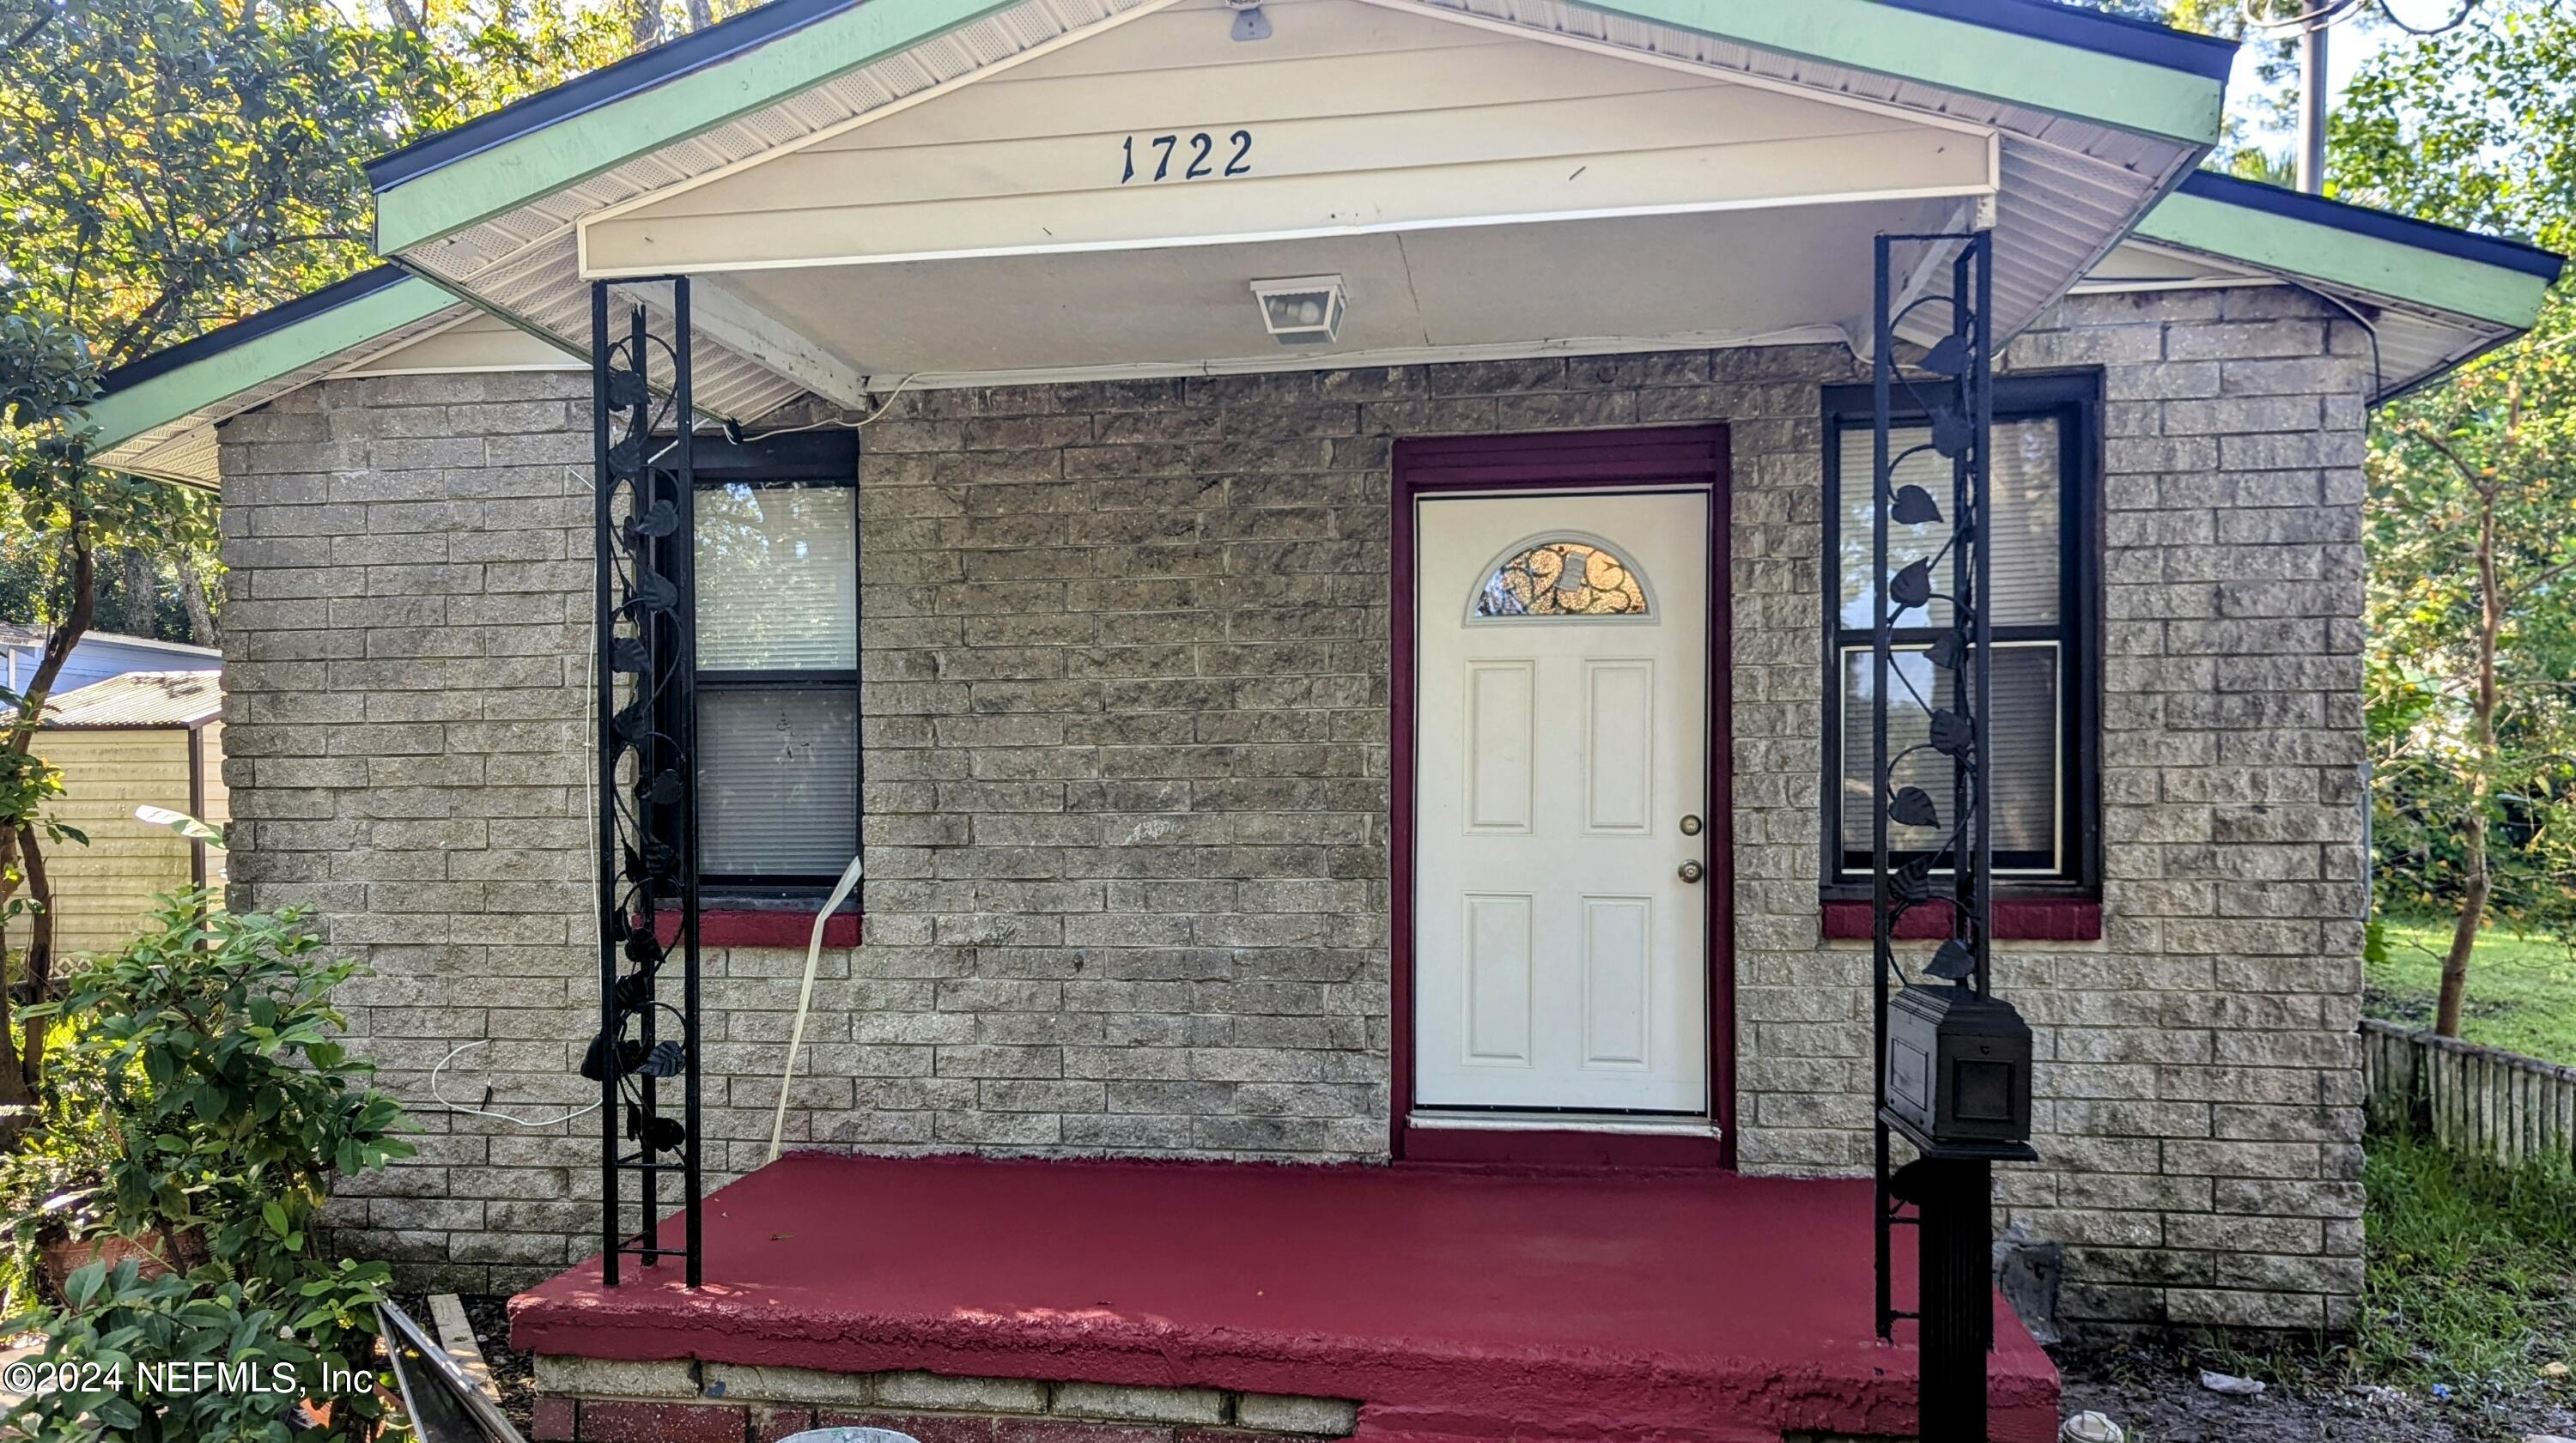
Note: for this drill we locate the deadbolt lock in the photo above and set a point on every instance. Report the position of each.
(1693, 871)
(1690, 826)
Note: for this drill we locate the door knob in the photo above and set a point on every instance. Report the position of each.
(1693, 871)
(1690, 826)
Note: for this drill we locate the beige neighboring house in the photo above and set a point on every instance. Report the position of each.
(147, 738)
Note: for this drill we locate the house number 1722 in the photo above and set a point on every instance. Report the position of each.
(1195, 156)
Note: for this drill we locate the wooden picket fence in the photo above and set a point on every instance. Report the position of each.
(2476, 1101)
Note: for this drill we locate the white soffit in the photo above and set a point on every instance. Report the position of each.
(455, 339)
(2414, 343)
(2136, 265)
(2067, 189)
(468, 340)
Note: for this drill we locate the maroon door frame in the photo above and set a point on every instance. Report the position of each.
(1566, 461)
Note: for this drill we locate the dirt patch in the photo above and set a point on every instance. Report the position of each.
(2154, 1392)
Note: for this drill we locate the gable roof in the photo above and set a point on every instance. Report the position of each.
(156, 416)
(2237, 231)
(2434, 295)
(2034, 53)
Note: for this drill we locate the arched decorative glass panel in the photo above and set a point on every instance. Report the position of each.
(1565, 577)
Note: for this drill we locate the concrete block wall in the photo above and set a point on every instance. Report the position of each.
(2200, 1090)
(1126, 728)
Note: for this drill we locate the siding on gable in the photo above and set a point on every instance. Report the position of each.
(1126, 726)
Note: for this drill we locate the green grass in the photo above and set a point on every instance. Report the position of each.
(2522, 990)
(2471, 1277)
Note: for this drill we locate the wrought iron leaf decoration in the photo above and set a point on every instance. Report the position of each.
(1952, 735)
(629, 655)
(1914, 506)
(659, 519)
(1949, 651)
(611, 1057)
(1913, 881)
(1913, 807)
(1912, 586)
(1953, 962)
(1951, 432)
(656, 592)
(1948, 356)
(665, 1060)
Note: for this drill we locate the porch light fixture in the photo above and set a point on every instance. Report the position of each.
(1249, 22)
(1306, 311)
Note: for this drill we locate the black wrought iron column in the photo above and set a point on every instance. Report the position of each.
(1952, 1059)
(647, 777)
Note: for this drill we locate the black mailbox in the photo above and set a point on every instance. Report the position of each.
(1958, 1066)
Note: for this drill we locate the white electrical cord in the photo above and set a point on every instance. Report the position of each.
(487, 1095)
(805, 999)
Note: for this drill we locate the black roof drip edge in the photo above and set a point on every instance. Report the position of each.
(250, 328)
(2207, 56)
(2467, 245)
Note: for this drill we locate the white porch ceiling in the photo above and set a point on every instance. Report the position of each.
(1581, 285)
(1798, 262)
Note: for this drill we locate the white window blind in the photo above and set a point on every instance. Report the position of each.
(777, 780)
(2022, 493)
(778, 579)
(2022, 744)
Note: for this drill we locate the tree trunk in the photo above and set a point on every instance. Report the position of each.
(40, 952)
(645, 23)
(201, 615)
(142, 587)
(701, 14)
(16, 1079)
(2473, 832)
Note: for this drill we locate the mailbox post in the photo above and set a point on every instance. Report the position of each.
(1953, 1060)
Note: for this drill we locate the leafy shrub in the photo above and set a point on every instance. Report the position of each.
(224, 1110)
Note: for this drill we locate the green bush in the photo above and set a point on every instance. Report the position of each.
(219, 1108)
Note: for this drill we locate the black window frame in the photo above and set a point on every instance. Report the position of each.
(824, 458)
(2075, 399)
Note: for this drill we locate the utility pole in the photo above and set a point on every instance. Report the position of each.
(2312, 105)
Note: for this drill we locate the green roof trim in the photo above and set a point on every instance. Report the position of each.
(220, 369)
(2120, 91)
(542, 161)
(2379, 265)
(439, 195)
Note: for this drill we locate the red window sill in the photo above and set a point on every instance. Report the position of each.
(2028, 919)
(786, 928)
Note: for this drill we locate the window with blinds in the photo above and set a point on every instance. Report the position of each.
(2039, 730)
(776, 560)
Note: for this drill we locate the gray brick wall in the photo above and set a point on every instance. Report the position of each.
(1126, 730)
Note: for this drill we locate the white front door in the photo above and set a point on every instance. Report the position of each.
(1561, 794)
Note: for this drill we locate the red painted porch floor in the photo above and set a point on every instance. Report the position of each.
(1453, 1304)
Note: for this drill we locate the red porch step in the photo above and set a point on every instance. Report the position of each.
(1453, 1304)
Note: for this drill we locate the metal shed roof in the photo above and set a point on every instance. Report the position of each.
(140, 700)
